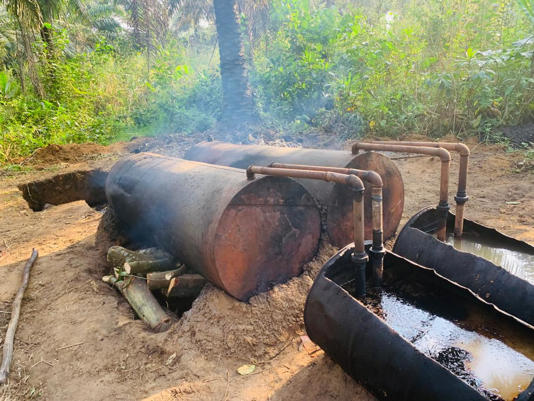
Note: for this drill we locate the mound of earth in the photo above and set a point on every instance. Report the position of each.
(69, 153)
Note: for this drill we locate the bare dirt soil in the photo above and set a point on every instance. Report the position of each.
(79, 340)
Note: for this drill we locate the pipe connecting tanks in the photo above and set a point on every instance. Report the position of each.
(377, 250)
(350, 177)
(443, 154)
(461, 194)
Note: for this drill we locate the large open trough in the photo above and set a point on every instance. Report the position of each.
(243, 235)
(335, 198)
(498, 268)
(419, 336)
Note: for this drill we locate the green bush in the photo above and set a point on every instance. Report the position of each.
(103, 95)
(429, 67)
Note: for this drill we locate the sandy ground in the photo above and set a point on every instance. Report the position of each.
(79, 340)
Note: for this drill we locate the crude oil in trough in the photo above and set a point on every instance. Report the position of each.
(467, 346)
(513, 260)
(436, 339)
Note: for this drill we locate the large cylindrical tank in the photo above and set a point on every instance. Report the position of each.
(244, 236)
(336, 198)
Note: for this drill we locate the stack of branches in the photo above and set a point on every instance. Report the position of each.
(139, 274)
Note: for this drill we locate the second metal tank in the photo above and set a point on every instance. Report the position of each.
(337, 199)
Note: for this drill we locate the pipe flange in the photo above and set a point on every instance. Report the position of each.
(377, 252)
(361, 257)
(443, 207)
(461, 199)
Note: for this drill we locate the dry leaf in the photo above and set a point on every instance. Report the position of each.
(246, 369)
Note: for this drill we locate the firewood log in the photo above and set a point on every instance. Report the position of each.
(136, 292)
(158, 280)
(185, 286)
(141, 261)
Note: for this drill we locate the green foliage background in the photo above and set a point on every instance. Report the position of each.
(430, 67)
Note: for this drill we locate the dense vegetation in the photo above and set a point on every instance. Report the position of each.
(103, 70)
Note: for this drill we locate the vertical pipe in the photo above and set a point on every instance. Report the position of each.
(443, 206)
(461, 195)
(377, 250)
(443, 154)
(359, 256)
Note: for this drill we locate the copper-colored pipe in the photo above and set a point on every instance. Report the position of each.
(377, 249)
(359, 256)
(461, 195)
(443, 154)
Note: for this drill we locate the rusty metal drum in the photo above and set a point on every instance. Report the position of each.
(335, 198)
(244, 236)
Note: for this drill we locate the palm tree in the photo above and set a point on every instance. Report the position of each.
(238, 105)
(28, 18)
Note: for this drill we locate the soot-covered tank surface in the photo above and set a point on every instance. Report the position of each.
(244, 236)
(419, 336)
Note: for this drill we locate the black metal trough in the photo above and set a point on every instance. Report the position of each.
(420, 336)
(498, 268)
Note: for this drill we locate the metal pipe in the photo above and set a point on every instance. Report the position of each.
(443, 154)
(461, 195)
(359, 256)
(377, 249)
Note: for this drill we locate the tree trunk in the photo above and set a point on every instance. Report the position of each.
(32, 69)
(238, 105)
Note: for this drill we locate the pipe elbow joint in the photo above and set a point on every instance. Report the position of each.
(443, 154)
(462, 149)
(355, 183)
(250, 173)
(374, 178)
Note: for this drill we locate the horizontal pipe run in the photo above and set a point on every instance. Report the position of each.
(359, 256)
(377, 250)
(443, 154)
(461, 194)
(371, 177)
(335, 199)
(348, 179)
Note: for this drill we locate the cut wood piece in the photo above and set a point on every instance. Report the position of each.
(136, 292)
(185, 286)
(141, 261)
(147, 266)
(13, 322)
(158, 280)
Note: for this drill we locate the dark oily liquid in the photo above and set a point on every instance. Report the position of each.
(518, 263)
(488, 364)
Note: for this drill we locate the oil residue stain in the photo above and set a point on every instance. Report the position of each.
(494, 368)
(518, 263)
